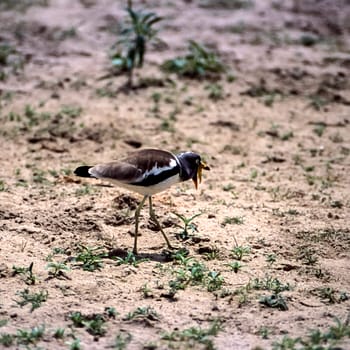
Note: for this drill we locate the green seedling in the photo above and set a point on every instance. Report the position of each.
(270, 283)
(35, 299)
(229, 220)
(93, 324)
(271, 258)
(142, 313)
(31, 336)
(214, 281)
(181, 257)
(111, 312)
(216, 91)
(3, 186)
(130, 259)
(57, 269)
(90, 258)
(136, 36)
(26, 272)
(235, 266)
(75, 345)
(59, 333)
(198, 63)
(275, 301)
(121, 341)
(7, 339)
(238, 252)
(195, 335)
(316, 339)
(187, 225)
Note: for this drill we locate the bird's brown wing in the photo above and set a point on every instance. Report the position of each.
(135, 167)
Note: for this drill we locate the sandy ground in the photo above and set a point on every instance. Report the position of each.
(277, 140)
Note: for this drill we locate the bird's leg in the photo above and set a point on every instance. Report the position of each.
(155, 220)
(137, 215)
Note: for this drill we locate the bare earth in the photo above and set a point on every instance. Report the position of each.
(277, 141)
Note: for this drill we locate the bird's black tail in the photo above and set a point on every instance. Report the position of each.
(83, 171)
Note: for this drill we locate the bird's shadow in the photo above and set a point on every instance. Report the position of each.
(123, 254)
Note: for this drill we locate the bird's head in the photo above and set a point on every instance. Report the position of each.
(192, 166)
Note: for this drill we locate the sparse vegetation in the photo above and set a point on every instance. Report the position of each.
(198, 63)
(260, 90)
(90, 258)
(136, 36)
(35, 299)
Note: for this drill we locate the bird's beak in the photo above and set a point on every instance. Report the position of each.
(198, 176)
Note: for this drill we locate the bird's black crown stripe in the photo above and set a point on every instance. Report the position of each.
(154, 179)
(83, 171)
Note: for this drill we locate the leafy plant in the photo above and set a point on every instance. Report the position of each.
(30, 336)
(198, 63)
(187, 225)
(216, 91)
(94, 324)
(35, 299)
(57, 269)
(143, 313)
(135, 38)
(274, 301)
(195, 335)
(90, 258)
(7, 339)
(214, 281)
(238, 252)
(121, 341)
(229, 220)
(317, 339)
(130, 259)
(235, 266)
(59, 333)
(270, 283)
(27, 272)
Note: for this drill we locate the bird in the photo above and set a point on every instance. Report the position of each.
(147, 172)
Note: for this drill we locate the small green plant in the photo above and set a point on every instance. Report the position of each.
(187, 225)
(26, 272)
(57, 269)
(75, 344)
(317, 339)
(146, 291)
(121, 341)
(31, 336)
(135, 38)
(85, 189)
(235, 266)
(2, 186)
(93, 324)
(130, 259)
(330, 295)
(6, 339)
(271, 258)
(194, 335)
(59, 333)
(238, 252)
(90, 258)
(111, 312)
(319, 129)
(229, 220)
(198, 63)
(275, 301)
(214, 281)
(270, 283)
(35, 299)
(142, 313)
(216, 91)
